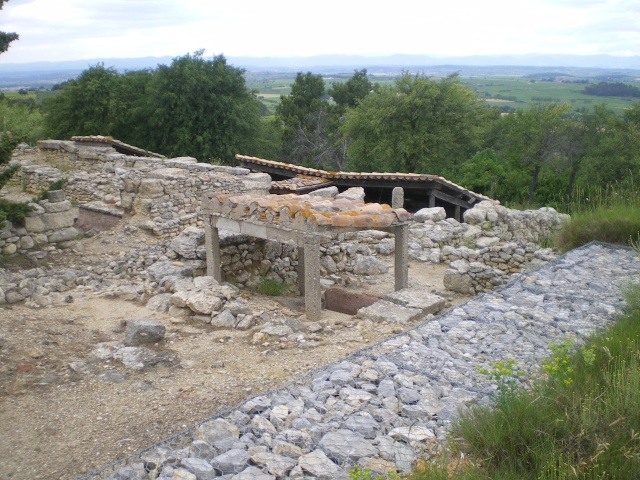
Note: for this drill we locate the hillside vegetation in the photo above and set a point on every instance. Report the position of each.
(557, 142)
(580, 418)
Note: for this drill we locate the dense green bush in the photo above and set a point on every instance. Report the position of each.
(14, 212)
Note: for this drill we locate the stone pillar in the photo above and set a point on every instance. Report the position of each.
(456, 214)
(301, 278)
(312, 294)
(397, 198)
(401, 268)
(432, 200)
(212, 242)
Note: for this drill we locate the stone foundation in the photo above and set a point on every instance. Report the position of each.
(164, 197)
(50, 223)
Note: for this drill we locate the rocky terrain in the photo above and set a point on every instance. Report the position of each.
(74, 396)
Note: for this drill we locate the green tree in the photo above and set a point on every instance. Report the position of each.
(6, 37)
(418, 125)
(535, 138)
(318, 143)
(84, 106)
(7, 144)
(193, 107)
(299, 113)
(8, 141)
(587, 134)
(201, 108)
(128, 119)
(348, 94)
(617, 155)
(23, 118)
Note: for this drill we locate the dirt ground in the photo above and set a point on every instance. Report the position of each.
(57, 422)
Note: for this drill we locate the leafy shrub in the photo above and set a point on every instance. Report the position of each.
(359, 473)
(582, 422)
(14, 212)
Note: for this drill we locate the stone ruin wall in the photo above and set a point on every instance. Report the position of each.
(164, 196)
(480, 256)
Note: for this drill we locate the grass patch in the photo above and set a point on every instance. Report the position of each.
(268, 286)
(581, 420)
(607, 214)
(615, 224)
(625, 193)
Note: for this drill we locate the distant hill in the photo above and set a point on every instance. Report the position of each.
(49, 73)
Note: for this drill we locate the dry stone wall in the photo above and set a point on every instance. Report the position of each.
(164, 197)
(51, 222)
(246, 260)
(479, 257)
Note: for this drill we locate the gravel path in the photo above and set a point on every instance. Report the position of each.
(384, 405)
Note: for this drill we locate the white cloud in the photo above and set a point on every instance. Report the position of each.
(75, 29)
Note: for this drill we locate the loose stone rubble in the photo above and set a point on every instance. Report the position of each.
(385, 406)
(164, 196)
(380, 408)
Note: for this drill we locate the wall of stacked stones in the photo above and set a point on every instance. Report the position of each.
(479, 257)
(51, 222)
(164, 195)
(246, 260)
(493, 242)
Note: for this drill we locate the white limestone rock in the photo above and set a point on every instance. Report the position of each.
(434, 214)
(187, 242)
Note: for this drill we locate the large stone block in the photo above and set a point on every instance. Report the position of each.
(187, 242)
(417, 298)
(458, 282)
(64, 235)
(368, 265)
(26, 243)
(49, 221)
(434, 214)
(55, 196)
(56, 207)
(386, 311)
(143, 331)
(475, 216)
(151, 188)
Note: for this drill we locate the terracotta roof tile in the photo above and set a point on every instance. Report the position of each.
(117, 144)
(312, 172)
(304, 211)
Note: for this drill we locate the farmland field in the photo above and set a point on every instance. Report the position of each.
(505, 92)
(520, 92)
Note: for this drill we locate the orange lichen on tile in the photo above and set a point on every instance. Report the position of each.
(321, 220)
(306, 210)
(362, 221)
(342, 220)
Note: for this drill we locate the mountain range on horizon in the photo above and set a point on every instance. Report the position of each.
(357, 61)
(46, 74)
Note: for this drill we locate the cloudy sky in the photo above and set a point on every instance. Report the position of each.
(53, 30)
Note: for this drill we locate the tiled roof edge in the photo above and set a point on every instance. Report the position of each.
(114, 142)
(416, 177)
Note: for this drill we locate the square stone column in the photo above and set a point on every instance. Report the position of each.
(301, 278)
(312, 292)
(401, 267)
(212, 243)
